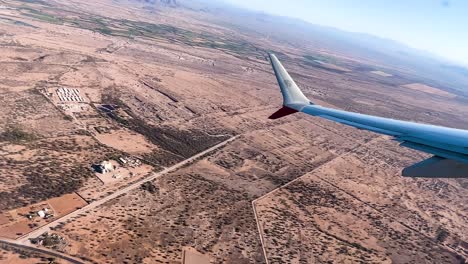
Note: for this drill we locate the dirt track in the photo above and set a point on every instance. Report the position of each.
(45, 251)
(25, 239)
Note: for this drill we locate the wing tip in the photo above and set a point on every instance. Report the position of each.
(437, 167)
(284, 111)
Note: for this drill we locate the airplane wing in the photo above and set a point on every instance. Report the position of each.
(448, 145)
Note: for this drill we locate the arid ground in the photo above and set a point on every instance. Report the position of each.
(156, 82)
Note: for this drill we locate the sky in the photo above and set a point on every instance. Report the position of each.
(437, 26)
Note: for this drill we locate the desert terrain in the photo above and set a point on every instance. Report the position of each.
(146, 86)
(10, 255)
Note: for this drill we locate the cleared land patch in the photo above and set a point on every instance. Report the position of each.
(20, 221)
(428, 89)
(126, 141)
(381, 73)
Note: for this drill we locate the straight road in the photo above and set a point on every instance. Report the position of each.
(259, 224)
(24, 240)
(44, 251)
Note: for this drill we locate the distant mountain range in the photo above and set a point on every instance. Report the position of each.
(302, 34)
(460, 69)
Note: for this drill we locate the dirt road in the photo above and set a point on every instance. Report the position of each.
(45, 251)
(24, 240)
(254, 206)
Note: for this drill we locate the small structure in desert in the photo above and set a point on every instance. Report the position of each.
(104, 167)
(49, 240)
(41, 213)
(44, 213)
(122, 160)
(69, 95)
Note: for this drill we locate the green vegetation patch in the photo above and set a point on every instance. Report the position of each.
(324, 62)
(320, 57)
(41, 15)
(39, 2)
(131, 29)
(21, 23)
(16, 22)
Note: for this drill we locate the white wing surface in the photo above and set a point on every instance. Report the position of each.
(448, 145)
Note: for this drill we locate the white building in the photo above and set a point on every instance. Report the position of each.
(41, 213)
(107, 167)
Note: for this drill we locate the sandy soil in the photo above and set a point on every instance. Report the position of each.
(66, 204)
(16, 224)
(4, 218)
(191, 256)
(14, 256)
(336, 208)
(183, 80)
(126, 141)
(125, 174)
(15, 229)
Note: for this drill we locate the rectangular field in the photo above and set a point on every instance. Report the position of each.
(66, 204)
(15, 223)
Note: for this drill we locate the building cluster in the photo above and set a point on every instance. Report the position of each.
(44, 213)
(73, 107)
(102, 129)
(69, 95)
(48, 240)
(112, 167)
(107, 108)
(104, 167)
(130, 161)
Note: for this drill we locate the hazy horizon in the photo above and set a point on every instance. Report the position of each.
(430, 25)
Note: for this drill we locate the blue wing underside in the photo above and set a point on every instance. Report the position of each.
(449, 147)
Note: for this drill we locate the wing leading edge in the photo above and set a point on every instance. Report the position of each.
(448, 145)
